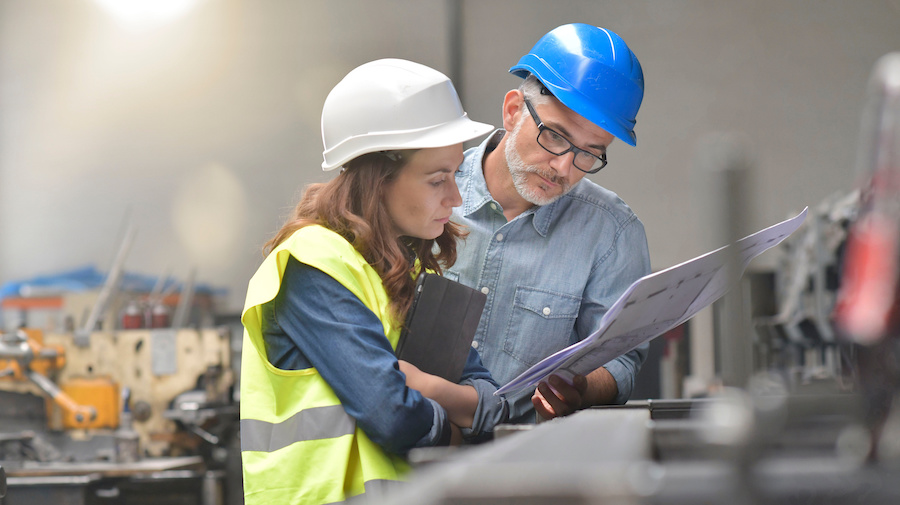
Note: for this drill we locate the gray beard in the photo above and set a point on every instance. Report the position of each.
(519, 172)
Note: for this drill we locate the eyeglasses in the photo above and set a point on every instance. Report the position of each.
(556, 144)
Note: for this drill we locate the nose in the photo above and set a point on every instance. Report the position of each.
(563, 164)
(454, 199)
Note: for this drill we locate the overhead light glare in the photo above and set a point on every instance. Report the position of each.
(146, 11)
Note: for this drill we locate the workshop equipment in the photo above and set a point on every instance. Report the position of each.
(147, 411)
(25, 358)
(868, 308)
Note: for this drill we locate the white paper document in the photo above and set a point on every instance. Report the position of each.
(656, 303)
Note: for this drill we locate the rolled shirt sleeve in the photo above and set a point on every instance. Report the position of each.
(624, 369)
(491, 409)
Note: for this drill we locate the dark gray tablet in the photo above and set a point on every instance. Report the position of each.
(440, 326)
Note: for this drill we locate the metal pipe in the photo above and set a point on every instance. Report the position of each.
(82, 413)
(109, 287)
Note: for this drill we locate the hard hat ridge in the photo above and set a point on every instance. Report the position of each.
(392, 104)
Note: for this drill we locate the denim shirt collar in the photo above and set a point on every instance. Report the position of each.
(475, 193)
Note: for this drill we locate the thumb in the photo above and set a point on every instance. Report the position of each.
(580, 383)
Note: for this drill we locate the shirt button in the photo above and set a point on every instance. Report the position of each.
(494, 206)
(485, 290)
(499, 237)
(546, 311)
(474, 344)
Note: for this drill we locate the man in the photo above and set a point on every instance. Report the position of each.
(552, 250)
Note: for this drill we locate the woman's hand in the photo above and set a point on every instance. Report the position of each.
(459, 401)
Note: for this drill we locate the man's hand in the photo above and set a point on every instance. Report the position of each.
(598, 388)
(559, 398)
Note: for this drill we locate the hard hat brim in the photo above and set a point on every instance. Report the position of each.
(452, 132)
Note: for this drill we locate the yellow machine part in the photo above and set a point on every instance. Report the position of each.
(41, 365)
(102, 393)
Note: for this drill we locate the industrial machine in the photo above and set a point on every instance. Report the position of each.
(143, 411)
(128, 404)
(125, 404)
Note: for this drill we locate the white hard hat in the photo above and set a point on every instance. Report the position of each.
(392, 104)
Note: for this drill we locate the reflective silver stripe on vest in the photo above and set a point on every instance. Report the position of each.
(309, 424)
(374, 489)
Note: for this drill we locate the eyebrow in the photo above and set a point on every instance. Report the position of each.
(444, 170)
(562, 129)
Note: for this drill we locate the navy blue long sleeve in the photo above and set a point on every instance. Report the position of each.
(317, 322)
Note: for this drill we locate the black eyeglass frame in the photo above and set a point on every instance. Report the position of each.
(542, 127)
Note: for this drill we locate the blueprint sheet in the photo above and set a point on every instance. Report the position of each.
(657, 303)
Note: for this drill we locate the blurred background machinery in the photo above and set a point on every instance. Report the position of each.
(135, 404)
(149, 406)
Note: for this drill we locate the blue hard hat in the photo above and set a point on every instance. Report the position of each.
(591, 71)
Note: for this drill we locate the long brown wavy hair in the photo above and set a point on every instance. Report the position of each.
(352, 205)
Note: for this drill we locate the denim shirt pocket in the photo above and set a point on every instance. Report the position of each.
(550, 315)
(450, 274)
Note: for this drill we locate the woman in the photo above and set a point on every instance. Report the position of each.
(327, 412)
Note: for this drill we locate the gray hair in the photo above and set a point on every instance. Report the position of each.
(531, 87)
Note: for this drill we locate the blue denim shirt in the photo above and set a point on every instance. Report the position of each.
(549, 274)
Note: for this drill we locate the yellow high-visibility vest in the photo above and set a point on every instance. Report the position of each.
(298, 445)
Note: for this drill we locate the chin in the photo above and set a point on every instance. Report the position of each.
(426, 235)
(538, 196)
(437, 233)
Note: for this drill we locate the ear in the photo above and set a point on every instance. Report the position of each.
(513, 105)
